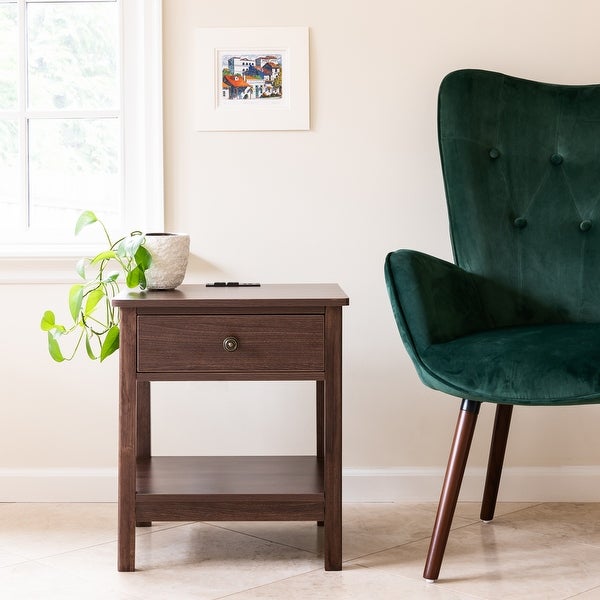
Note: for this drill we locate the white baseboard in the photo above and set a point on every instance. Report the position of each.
(58, 485)
(518, 484)
(394, 484)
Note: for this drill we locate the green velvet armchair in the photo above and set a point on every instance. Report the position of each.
(516, 319)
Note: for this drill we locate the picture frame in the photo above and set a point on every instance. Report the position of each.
(252, 78)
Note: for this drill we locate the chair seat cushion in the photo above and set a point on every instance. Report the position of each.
(536, 365)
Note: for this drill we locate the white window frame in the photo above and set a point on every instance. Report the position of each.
(141, 151)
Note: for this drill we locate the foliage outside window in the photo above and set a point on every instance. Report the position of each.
(62, 115)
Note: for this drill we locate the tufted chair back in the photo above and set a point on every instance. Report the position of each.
(521, 163)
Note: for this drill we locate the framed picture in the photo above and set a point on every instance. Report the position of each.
(252, 78)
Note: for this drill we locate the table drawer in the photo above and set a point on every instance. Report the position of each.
(230, 343)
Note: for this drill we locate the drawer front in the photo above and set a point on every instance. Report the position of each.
(188, 343)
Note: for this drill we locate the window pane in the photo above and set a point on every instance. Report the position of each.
(72, 55)
(9, 174)
(73, 166)
(8, 55)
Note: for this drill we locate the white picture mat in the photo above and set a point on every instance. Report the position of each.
(290, 112)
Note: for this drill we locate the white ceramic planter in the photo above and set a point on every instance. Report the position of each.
(170, 252)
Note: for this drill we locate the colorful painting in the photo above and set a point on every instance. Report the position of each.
(251, 78)
(248, 76)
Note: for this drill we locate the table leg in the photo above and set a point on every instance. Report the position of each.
(143, 447)
(127, 442)
(320, 418)
(333, 439)
(320, 425)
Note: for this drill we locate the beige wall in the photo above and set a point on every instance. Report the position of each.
(365, 180)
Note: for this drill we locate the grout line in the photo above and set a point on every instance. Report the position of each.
(97, 544)
(578, 594)
(19, 562)
(257, 537)
(264, 585)
(419, 540)
(428, 537)
(140, 532)
(518, 510)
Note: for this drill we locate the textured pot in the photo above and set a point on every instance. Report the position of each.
(170, 252)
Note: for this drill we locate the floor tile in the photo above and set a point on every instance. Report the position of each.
(39, 530)
(471, 510)
(575, 521)
(367, 528)
(10, 558)
(547, 551)
(501, 561)
(193, 561)
(34, 581)
(36, 530)
(353, 583)
(589, 595)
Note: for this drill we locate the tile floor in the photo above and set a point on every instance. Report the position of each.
(530, 551)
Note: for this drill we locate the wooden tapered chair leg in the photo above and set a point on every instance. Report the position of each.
(496, 460)
(459, 453)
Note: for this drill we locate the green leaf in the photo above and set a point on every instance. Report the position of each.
(54, 349)
(57, 331)
(143, 258)
(80, 267)
(111, 342)
(111, 278)
(49, 324)
(75, 300)
(129, 246)
(88, 349)
(48, 321)
(121, 250)
(85, 218)
(92, 300)
(106, 255)
(143, 282)
(133, 277)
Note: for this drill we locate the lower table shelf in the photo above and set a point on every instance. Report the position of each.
(240, 488)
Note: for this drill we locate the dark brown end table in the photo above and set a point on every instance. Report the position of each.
(199, 333)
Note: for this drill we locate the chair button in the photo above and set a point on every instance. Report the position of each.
(556, 159)
(494, 153)
(585, 225)
(520, 222)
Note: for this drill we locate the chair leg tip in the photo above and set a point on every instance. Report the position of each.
(429, 580)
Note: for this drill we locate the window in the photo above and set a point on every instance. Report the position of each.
(80, 120)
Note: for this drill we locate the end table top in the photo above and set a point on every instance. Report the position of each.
(199, 295)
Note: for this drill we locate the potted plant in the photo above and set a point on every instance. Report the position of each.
(95, 321)
(170, 252)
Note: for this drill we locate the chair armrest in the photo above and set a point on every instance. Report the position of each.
(434, 301)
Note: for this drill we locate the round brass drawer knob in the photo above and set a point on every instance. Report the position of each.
(230, 344)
